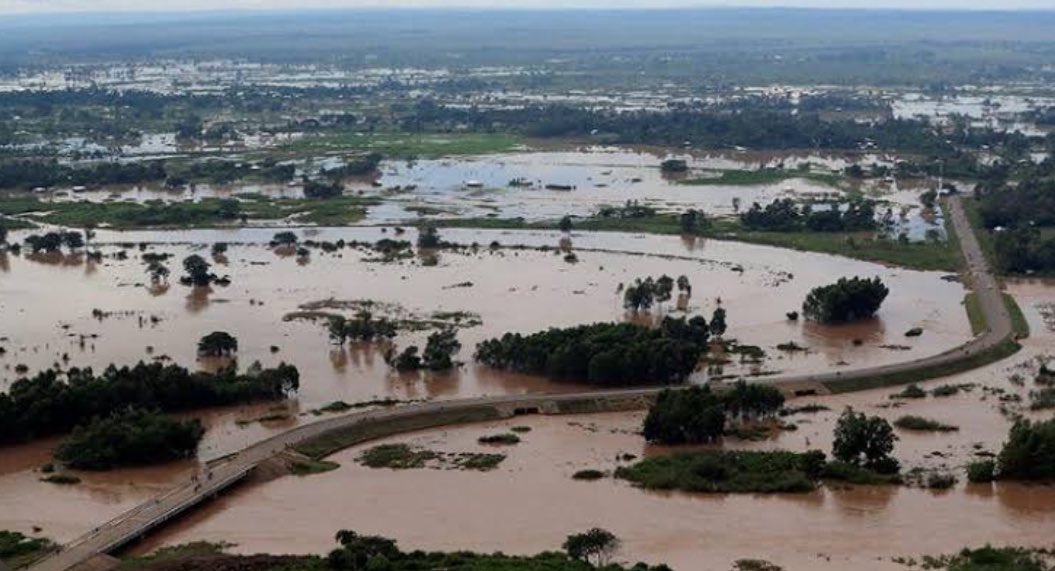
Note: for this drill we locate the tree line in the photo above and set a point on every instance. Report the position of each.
(784, 215)
(48, 404)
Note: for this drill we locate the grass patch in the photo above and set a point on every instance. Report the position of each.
(18, 550)
(588, 475)
(520, 429)
(728, 472)
(911, 422)
(308, 466)
(992, 559)
(910, 392)
(853, 474)
(396, 457)
(1018, 320)
(183, 551)
(408, 145)
(499, 439)
(975, 314)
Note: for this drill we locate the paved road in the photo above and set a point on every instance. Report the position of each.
(218, 475)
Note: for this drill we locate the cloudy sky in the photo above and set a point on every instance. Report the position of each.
(39, 6)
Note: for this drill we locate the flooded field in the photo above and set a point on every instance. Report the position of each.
(834, 528)
(68, 312)
(548, 184)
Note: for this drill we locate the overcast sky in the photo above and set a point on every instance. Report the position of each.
(39, 6)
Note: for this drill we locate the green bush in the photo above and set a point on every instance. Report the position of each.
(911, 422)
(1029, 453)
(130, 437)
(728, 472)
(981, 471)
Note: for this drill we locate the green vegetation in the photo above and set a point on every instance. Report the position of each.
(1029, 453)
(588, 475)
(849, 473)
(784, 215)
(912, 391)
(218, 344)
(603, 353)
(207, 212)
(975, 314)
(308, 466)
(845, 300)
(396, 457)
(992, 559)
(865, 441)
(696, 414)
(46, 404)
(409, 145)
(520, 429)
(981, 471)
(406, 457)
(910, 422)
(17, 550)
(1019, 325)
(129, 438)
(440, 348)
(507, 439)
(595, 547)
(728, 472)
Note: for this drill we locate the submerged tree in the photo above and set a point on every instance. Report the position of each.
(595, 547)
(865, 440)
(718, 325)
(217, 344)
(197, 271)
(845, 300)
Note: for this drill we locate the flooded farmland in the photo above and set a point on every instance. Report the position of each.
(530, 502)
(73, 312)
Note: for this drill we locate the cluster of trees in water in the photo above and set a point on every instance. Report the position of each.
(29, 174)
(440, 348)
(784, 215)
(846, 300)
(610, 354)
(129, 437)
(47, 404)
(699, 415)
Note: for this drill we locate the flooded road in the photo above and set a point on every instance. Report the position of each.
(530, 503)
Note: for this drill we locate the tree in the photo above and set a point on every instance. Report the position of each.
(73, 240)
(197, 271)
(428, 237)
(284, 238)
(640, 295)
(130, 437)
(565, 224)
(219, 248)
(157, 271)
(664, 288)
(846, 300)
(866, 440)
(1029, 453)
(3, 235)
(595, 547)
(440, 349)
(674, 166)
(360, 552)
(217, 344)
(691, 221)
(684, 286)
(694, 415)
(718, 325)
(929, 198)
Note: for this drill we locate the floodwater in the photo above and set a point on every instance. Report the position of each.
(549, 185)
(530, 503)
(47, 303)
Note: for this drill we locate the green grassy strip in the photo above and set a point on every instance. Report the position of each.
(1018, 320)
(974, 313)
(997, 353)
(408, 145)
(333, 441)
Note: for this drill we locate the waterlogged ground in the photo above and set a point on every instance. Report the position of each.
(549, 184)
(47, 315)
(530, 502)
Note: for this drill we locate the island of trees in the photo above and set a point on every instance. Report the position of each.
(845, 300)
(127, 438)
(611, 354)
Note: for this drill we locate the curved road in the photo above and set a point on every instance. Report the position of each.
(218, 475)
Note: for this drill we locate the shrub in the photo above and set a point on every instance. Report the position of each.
(1029, 453)
(981, 471)
(911, 422)
(503, 439)
(588, 475)
(940, 481)
(131, 437)
(845, 300)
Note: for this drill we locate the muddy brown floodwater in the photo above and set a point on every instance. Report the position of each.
(46, 306)
(530, 503)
